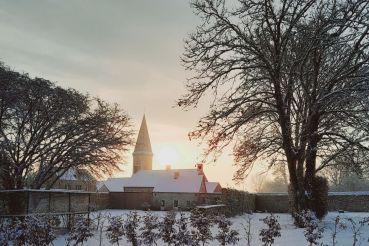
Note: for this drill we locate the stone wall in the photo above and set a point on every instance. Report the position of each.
(353, 202)
(347, 201)
(130, 200)
(276, 203)
(19, 202)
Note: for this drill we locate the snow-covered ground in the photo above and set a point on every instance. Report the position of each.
(290, 234)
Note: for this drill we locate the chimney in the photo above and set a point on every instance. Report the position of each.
(168, 167)
(176, 175)
(200, 169)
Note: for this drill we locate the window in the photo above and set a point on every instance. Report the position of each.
(78, 187)
(188, 204)
(175, 203)
(162, 203)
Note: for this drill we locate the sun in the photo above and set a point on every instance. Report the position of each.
(167, 155)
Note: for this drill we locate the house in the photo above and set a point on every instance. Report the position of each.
(76, 179)
(159, 189)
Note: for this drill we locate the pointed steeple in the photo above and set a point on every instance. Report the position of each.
(142, 155)
(143, 144)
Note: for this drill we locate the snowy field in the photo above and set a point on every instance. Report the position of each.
(290, 235)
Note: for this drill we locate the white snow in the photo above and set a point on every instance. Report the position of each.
(188, 180)
(290, 235)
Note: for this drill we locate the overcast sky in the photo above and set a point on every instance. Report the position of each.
(122, 51)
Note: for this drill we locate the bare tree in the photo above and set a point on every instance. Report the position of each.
(289, 81)
(46, 130)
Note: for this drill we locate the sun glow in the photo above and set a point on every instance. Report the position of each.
(167, 155)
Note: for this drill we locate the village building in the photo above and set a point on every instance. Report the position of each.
(159, 189)
(76, 179)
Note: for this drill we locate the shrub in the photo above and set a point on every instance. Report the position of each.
(312, 232)
(40, 229)
(115, 229)
(201, 223)
(149, 235)
(80, 231)
(131, 226)
(272, 231)
(166, 228)
(226, 235)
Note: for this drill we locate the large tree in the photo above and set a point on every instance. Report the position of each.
(289, 81)
(46, 130)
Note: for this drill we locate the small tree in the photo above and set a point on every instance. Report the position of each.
(166, 228)
(269, 234)
(41, 231)
(226, 235)
(149, 235)
(313, 232)
(131, 226)
(202, 224)
(247, 228)
(338, 225)
(80, 231)
(183, 237)
(115, 229)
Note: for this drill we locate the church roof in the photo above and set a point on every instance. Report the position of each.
(173, 180)
(143, 144)
(211, 187)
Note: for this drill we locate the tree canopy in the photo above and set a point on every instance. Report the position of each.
(289, 81)
(46, 130)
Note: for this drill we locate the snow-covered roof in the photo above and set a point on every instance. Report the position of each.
(115, 184)
(174, 180)
(76, 174)
(211, 186)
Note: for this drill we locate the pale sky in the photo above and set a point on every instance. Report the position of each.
(122, 51)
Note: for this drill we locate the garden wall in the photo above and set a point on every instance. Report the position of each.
(347, 201)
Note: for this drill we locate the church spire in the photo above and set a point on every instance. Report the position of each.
(142, 155)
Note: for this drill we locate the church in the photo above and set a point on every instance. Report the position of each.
(159, 189)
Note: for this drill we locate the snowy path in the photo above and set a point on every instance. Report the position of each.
(291, 236)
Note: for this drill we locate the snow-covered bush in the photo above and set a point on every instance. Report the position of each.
(312, 232)
(131, 227)
(201, 223)
(226, 235)
(4, 232)
(80, 231)
(149, 234)
(273, 230)
(18, 232)
(184, 236)
(115, 229)
(40, 229)
(166, 228)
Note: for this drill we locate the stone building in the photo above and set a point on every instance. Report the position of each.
(76, 179)
(159, 189)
